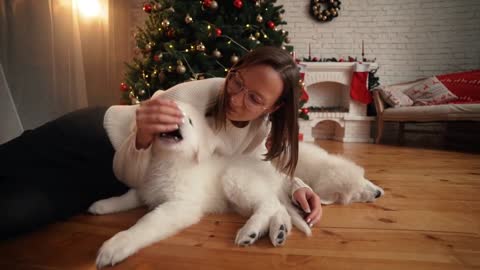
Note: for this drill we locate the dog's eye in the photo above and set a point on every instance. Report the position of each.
(190, 120)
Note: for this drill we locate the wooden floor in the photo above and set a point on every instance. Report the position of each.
(429, 218)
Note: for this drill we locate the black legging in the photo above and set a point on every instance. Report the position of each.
(55, 171)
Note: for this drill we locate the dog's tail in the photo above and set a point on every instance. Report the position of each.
(297, 219)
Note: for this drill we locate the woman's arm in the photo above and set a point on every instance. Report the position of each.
(130, 163)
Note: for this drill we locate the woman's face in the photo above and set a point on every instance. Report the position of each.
(252, 92)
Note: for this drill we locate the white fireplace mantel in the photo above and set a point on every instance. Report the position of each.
(351, 126)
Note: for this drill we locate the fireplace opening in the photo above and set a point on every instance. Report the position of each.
(328, 97)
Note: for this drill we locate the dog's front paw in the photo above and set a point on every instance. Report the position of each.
(115, 249)
(246, 236)
(102, 207)
(280, 225)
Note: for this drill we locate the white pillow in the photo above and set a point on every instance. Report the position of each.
(430, 91)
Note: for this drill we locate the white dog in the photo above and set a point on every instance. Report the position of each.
(184, 181)
(334, 178)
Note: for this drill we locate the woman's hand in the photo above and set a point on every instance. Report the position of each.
(155, 116)
(309, 201)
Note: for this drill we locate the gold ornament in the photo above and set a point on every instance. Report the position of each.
(142, 92)
(165, 23)
(188, 19)
(257, 4)
(259, 18)
(234, 59)
(162, 76)
(181, 68)
(131, 95)
(257, 34)
(200, 47)
(148, 47)
(214, 5)
(216, 53)
(157, 7)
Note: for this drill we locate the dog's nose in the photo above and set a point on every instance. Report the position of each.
(378, 193)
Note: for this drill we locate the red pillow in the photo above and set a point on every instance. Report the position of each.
(465, 85)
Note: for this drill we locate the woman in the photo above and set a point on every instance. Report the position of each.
(68, 165)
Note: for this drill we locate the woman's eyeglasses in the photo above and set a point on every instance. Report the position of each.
(235, 85)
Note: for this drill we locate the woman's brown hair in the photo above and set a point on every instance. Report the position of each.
(284, 130)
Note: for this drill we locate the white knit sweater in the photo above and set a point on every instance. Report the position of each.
(130, 163)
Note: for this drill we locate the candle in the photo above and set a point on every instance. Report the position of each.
(309, 52)
(363, 53)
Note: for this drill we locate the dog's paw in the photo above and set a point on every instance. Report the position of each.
(102, 207)
(280, 225)
(246, 237)
(115, 249)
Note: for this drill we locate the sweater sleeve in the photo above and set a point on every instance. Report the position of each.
(130, 163)
(297, 183)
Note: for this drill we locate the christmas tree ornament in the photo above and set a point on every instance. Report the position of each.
(258, 4)
(287, 40)
(214, 5)
(284, 33)
(257, 34)
(165, 23)
(200, 47)
(148, 47)
(142, 92)
(216, 53)
(162, 76)
(238, 4)
(252, 38)
(218, 32)
(171, 33)
(180, 67)
(169, 69)
(158, 57)
(234, 59)
(123, 87)
(207, 3)
(188, 19)
(147, 8)
(271, 24)
(259, 18)
(157, 7)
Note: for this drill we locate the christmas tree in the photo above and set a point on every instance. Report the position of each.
(193, 40)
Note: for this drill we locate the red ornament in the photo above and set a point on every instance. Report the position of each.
(123, 87)
(315, 59)
(147, 8)
(305, 110)
(171, 33)
(238, 4)
(270, 24)
(207, 3)
(218, 32)
(341, 60)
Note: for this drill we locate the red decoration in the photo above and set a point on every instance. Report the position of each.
(305, 110)
(171, 33)
(271, 24)
(207, 3)
(315, 59)
(123, 87)
(304, 97)
(300, 136)
(238, 4)
(341, 60)
(147, 8)
(218, 32)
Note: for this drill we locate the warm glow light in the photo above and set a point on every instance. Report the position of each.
(89, 8)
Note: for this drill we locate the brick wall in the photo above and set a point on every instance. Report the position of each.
(409, 38)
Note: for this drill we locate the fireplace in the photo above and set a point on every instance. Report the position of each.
(335, 116)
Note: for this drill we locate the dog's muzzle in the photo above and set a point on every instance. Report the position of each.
(175, 135)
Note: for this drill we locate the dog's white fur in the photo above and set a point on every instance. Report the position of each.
(185, 180)
(334, 178)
